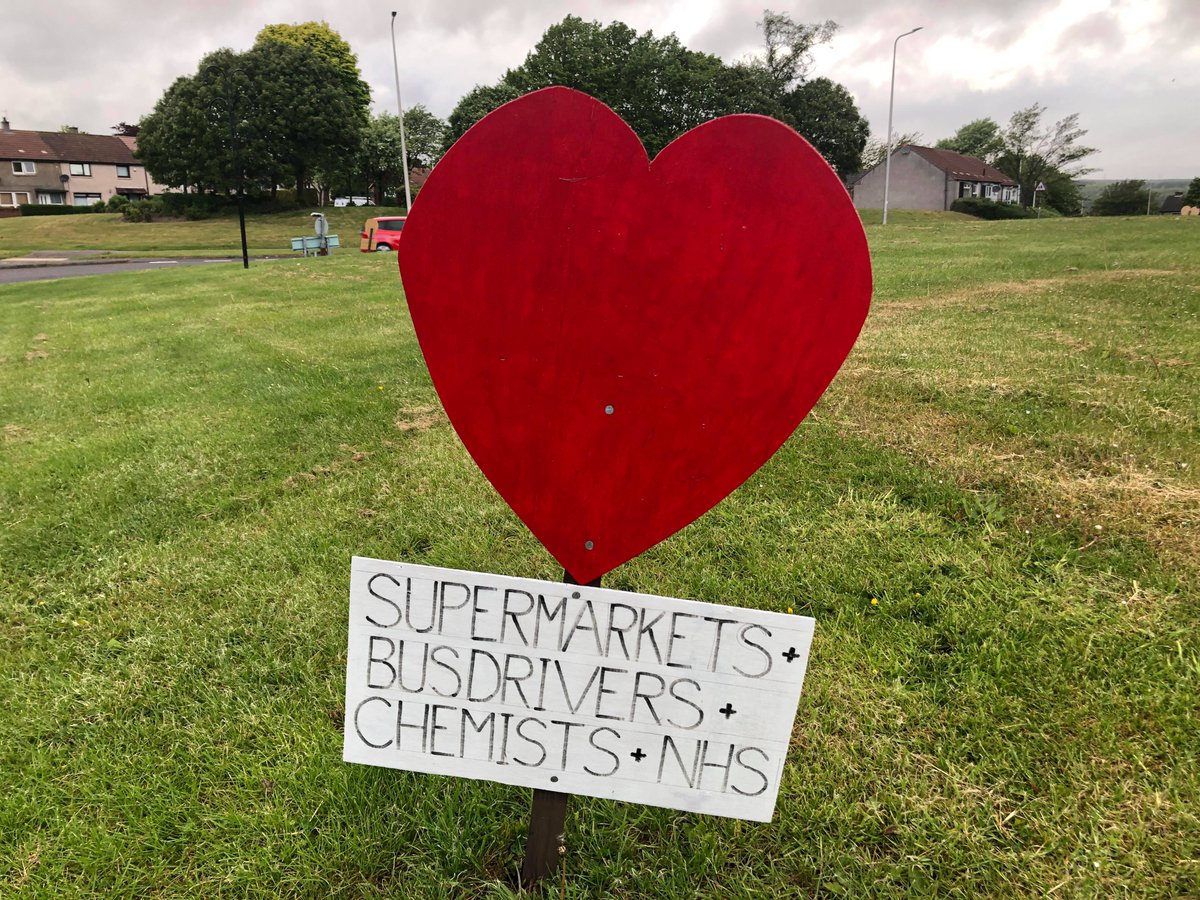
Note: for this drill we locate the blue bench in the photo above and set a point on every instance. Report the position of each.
(313, 243)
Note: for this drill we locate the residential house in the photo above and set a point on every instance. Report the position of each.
(56, 168)
(1173, 205)
(928, 178)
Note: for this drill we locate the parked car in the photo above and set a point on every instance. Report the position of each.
(342, 202)
(381, 234)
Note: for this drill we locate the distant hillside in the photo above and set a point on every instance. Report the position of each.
(1091, 187)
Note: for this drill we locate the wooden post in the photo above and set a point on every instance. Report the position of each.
(547, 821)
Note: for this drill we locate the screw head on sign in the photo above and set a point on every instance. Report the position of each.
(608, 410)
(588, 545)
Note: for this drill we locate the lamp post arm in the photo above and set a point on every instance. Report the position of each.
(400, 106)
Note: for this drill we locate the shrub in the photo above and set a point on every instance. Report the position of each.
(990, 209)
(117, 203)
(37, 209)
(140, 211)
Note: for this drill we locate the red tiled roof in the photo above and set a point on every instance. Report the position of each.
(961, 166)
(65, 147)
(24, 145)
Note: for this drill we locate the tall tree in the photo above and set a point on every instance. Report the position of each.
(981, 138)
(1033, 150)
(278, 112)
(657, 85)
(1122, 198)
(875, 150)
(188, 139)
(331, 47)
(788, 45)
(662, 89)
(380, 159)
(477, 103)
(825, 113)
(1192, 197)
(302, 116)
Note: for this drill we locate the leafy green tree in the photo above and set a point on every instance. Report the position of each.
(302, 118)
(1062, 194)
(1034, 151)
(657, 85)
(164, 138)
(1192, 197)
(825, 113)
(380, 159)
(875, 150)
(662, 89)
(1122, 198)
(189, 138)
(981, 138)
(330, 46)
(277, 113)
(423, 134)
(788, 45)
(477, 103)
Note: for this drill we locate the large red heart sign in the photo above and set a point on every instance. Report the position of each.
(620, 343)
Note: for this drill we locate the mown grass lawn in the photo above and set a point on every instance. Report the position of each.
(266, 234)
(993, 514)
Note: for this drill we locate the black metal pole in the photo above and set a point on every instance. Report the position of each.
(242, 214)
(237, 164)
(546, 843)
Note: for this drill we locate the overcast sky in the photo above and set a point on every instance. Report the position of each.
(1130, 68)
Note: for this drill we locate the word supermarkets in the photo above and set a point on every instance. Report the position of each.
(571, 688)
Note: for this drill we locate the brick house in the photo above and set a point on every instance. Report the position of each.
(68, 168)
(928, 178)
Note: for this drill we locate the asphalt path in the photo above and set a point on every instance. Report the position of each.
(41, 273)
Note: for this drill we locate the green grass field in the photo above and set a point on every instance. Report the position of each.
(266, 234)
(993, 515)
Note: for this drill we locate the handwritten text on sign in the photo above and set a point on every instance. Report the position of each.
(570, 688)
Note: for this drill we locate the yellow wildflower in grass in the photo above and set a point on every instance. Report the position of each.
(874, 601)
(789, 609)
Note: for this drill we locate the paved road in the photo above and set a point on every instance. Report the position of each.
(40, 273)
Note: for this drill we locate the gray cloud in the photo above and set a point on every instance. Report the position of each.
(1134, 97)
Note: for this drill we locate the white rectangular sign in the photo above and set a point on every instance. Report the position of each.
(571, 688)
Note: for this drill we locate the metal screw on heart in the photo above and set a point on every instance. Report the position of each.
(587, 545)
(608, 410)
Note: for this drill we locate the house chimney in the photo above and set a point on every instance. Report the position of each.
(4, 126)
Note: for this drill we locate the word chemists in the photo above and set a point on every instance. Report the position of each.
(579, 689)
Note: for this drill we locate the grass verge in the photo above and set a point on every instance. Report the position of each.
(992, 514)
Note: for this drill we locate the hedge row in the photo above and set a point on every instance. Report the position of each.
(38, 209)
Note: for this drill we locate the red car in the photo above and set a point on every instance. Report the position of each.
(381, 234)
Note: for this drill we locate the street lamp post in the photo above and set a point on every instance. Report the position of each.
(400, 106)
(887, 166)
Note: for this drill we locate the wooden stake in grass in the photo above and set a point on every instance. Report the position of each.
(546, 844)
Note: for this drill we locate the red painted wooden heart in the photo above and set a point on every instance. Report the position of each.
(621, 344)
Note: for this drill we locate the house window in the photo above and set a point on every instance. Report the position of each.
(24, 167)
(122, 171)
(13, 199)
(81, 169)
(51, 198)
(966, 189)
(86, 199)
